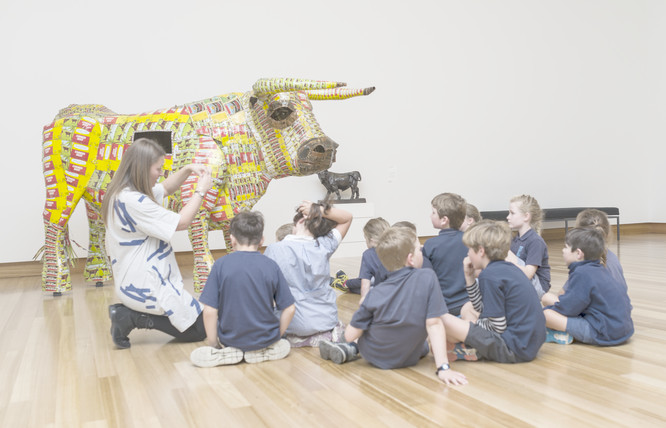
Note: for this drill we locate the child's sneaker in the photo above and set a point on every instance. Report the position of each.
(276, 351)
(339, 284)
(458, 351)
(207, 356)
(338, 352)
(561, 337)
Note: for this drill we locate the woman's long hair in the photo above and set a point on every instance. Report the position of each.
(133, 172)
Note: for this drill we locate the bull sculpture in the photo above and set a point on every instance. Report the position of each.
(247, 139)
(334, 182)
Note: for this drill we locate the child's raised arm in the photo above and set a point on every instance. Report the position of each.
(342, 217)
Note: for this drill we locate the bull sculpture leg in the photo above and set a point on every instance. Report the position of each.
(354, 190)
(97, 267)
(203, 259)
(56, 255)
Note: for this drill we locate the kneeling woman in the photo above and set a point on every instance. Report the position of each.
(138, 231)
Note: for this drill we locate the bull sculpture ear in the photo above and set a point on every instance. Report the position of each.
(337, 93)
(276, 85)
(253, 101)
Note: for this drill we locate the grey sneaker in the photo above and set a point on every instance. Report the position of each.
(337, 352)
(276, 351)
(207, 356)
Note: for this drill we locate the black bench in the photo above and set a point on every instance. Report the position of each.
(560, 214)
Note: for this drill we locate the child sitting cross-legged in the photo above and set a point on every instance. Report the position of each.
(398, 315)
(506, 323)
(372, 271)
(595, 307)
(239, 299)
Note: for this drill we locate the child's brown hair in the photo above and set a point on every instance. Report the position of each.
(452, 206)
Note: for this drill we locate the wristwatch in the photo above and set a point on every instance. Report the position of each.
(444, 366)
(200, 193)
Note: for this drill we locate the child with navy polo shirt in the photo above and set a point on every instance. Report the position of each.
(243, 291)
(446, 251)
(595, 307)
(598, 219)
(398, 315)
(528, 249)
(372, 271)
(507, 324)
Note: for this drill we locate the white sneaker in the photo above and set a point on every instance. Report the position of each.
(207, 356)
(276, 351)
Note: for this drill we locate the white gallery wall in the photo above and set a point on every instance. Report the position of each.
(563, 100)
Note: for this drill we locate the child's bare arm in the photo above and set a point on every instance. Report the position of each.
(365, 287)
(210, 325)
(550, 299)
(352, 333)
(286, 317)
(472, 285)
(341, 217)
(437, 339)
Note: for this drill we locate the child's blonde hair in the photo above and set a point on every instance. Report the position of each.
(374, 228)
(395, 244)
(405, 223)
(452, 206)
(529, 205)
(493, 236)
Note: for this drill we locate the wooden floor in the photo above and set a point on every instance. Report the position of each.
(59, 368)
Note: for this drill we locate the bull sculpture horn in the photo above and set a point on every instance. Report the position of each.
(276, 85)
(337, 93)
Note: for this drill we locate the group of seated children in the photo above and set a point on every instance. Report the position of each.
(472, 292)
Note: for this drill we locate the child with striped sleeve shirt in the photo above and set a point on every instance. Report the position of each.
(503, 321)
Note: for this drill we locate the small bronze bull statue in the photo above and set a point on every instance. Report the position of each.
(334, 182)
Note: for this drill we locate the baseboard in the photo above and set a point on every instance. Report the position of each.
(184, 258)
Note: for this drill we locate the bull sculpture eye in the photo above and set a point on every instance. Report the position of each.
(281, 115)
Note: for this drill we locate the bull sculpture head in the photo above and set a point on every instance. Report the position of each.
(292, 140)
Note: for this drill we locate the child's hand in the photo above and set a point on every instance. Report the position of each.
(304, 208)
(468, 267)
(511, 257)
(451, 377)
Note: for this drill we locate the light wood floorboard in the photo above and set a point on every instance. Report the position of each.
(58, 368)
